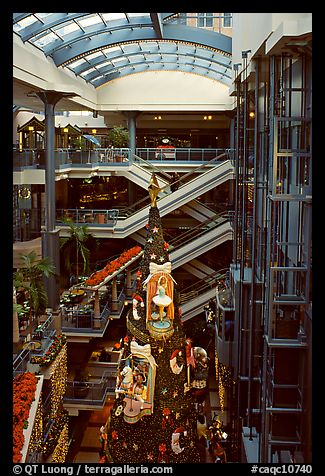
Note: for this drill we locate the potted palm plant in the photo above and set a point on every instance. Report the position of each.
(29, 279)
(119, 137)
(77, 247)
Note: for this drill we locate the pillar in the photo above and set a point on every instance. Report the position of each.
(96, 311)
(114, 296)
(131, 121)
(50, 236)
(128, 283)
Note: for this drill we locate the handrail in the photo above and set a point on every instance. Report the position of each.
(152, 166)
(212, 276)
(193, 233)
(84, 214)
(200, 287)
(167, 190)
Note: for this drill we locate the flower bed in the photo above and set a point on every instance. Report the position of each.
(112, 266)
(51, 354)
(24, 388)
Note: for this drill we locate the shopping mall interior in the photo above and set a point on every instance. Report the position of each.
(162, 238)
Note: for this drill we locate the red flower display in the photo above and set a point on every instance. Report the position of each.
(24, 388)
(112, 266)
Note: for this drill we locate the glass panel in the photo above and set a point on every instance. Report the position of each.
(66, 29)
(117, 62)
(106, 63)
(94, 55)
(131, 15)
(77, 63)
(113, 16)
(90, 70)
(24, 23)
(45, 40)
(227, 20)
(92, 20)
(112, 49)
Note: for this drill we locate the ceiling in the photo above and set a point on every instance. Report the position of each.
(100, 47)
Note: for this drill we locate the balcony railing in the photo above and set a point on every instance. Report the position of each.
(91, 393)
(42, 339)
(89, 216)
(35, 158)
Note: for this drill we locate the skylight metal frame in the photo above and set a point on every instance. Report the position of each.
(148, 37)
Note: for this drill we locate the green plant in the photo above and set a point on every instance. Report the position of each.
(78, 244)
(30, 278)
(119, 137)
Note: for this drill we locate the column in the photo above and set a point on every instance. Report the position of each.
(50, 237)
(128, 283)
(96, 311)
(114, 296)
(131, 121)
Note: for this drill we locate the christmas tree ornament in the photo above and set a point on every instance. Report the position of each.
(136, 300)
(153, 189)
(162, 456)
(176, 369)
(175, 443)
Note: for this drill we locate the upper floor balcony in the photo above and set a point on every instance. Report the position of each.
(35, 158)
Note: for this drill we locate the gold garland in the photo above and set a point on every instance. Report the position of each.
(58, 381)
(60, 451)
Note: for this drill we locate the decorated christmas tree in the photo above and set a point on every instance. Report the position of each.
(154, 418)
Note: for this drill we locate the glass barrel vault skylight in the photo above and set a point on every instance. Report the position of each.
(100, 47)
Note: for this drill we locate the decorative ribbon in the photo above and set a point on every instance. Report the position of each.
(160, 268)
(155, 268)
(142, 349)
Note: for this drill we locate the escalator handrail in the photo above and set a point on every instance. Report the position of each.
(126, 210)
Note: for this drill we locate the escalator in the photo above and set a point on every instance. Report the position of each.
(196, 241)
(132, 221)
(193, 298)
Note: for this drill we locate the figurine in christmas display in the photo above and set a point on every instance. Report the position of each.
(161, 299)
(139, 390)
(175, 444)
(174, 365)
(136, 300)
(124, 381)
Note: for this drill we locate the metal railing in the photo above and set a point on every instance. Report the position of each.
(194, 233)
(44, 338)
(35, 158)
(87, 216)
(201, 286)
(94, 393)
(76, 319)
(27, 223)
(178, 154)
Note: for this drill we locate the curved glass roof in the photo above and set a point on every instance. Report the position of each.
(100, 47)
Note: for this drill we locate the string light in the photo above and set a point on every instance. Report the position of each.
(60, 451)
(58, 381)
(37, 433)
